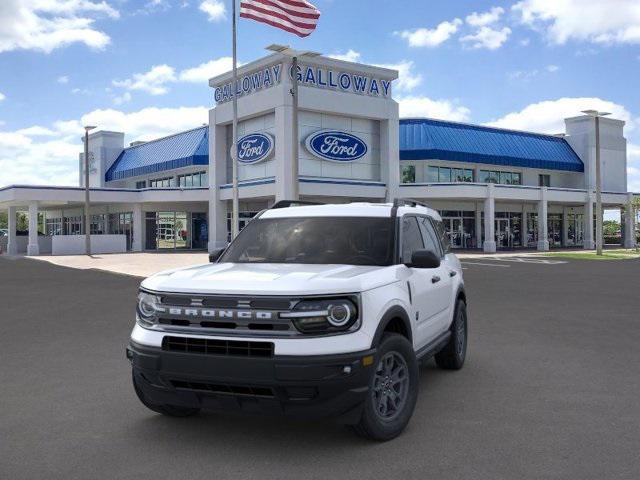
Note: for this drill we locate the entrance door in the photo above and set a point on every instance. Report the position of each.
(453, 227)
(504, 237)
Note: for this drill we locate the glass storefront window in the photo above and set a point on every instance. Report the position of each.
(408, 174)
(504, 178)
(460, 227)
(554, 229)
(432, 174)
(176, 230)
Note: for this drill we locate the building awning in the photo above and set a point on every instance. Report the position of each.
(427, 139)
(183, 149)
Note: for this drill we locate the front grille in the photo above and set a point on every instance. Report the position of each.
(208, 346)
(241, 390)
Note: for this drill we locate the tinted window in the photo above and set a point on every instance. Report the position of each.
(319, 240)
(430, 238)
(411, 238)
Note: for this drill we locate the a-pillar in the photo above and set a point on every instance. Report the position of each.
(489, 245)
(589, 242)
(138, 220)
(32, 246)
(543, 238)
(629, 223)
(12, 245)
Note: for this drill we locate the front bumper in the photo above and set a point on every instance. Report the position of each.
(295, 386)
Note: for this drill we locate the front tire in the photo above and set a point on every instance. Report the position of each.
(393, 390)
(168, 410)
(453, 355)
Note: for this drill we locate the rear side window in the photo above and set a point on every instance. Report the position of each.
(430, 237)
(411, 238)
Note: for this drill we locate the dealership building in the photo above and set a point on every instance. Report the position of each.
(495, 189)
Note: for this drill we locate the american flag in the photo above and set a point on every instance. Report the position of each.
(294, 16)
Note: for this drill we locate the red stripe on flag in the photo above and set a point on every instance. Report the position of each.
(273, 13)
(274, 24)
(275, 5)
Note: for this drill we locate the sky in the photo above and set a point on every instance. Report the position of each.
(141, 66)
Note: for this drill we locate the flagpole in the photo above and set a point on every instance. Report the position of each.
(295, 193)
(234, 148)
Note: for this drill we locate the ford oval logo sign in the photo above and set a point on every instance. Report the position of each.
(336, 146)
(255, 148)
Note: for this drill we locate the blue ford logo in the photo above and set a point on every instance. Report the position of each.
(336, 146)
(255, 147)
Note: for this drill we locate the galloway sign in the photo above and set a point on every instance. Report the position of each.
(328, 78)
(255, 148)
(336, 146)
(248, 84)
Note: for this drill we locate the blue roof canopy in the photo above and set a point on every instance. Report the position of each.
(183, 149)
(427, 139)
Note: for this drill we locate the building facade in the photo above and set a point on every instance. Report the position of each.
(495, 189)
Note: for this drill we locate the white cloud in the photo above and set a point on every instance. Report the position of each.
(63, 79)
(407, 78)
(2, 96)
(203, 72)
(548, 116)
(154, 81)
(424, 37)
(349, 56)
(45, 25)
(214, 9)
(526, 75)
(595, 21)
(486, 18)
(420, 106)
(525, 42)
(48, 155)
(487, 37)
(120, 99)
(552, 68)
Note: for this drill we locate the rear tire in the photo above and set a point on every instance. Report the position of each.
(169, 410)
(453, 355)
(393, 390)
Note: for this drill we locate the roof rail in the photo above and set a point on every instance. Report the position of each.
(405, 202)
(293, 203)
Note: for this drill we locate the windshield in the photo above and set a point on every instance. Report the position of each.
(319, 240)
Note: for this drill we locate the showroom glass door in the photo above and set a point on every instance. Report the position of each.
(503, 233)
(575, 229)
(183, 230)
(166, 230)
(554, 229)
(199, 231)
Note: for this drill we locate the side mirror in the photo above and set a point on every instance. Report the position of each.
(215, 255)
(424, 259)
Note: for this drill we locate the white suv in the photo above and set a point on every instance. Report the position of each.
(313, 311)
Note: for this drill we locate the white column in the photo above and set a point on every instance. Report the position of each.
(589, 242)
(138, 221)
(543, 240)
(12, 246)
(489, 245)
(283, 155)
(390, 154)
(478, 225)
(32, 246)
(629, 224)
(217, 176)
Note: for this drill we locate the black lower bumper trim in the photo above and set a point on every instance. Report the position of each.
(296, 386)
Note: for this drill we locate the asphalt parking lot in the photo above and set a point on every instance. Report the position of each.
(551, 388)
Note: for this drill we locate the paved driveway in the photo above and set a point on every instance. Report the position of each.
(551, 389)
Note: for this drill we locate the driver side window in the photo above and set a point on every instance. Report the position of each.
(411, 238)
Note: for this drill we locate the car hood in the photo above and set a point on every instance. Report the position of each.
(271, 279)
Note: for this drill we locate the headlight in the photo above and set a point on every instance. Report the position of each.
(331, 315)
(147, 308)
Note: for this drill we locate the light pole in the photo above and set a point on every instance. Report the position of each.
(87, 217)
(596, 114)
(295, 146)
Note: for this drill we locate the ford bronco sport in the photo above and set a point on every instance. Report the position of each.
(312, 311)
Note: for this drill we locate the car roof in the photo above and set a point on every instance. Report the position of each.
(355, 209)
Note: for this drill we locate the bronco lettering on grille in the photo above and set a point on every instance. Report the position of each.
(217, 314)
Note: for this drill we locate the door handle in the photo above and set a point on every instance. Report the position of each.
(453, 273)
(435, 279)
